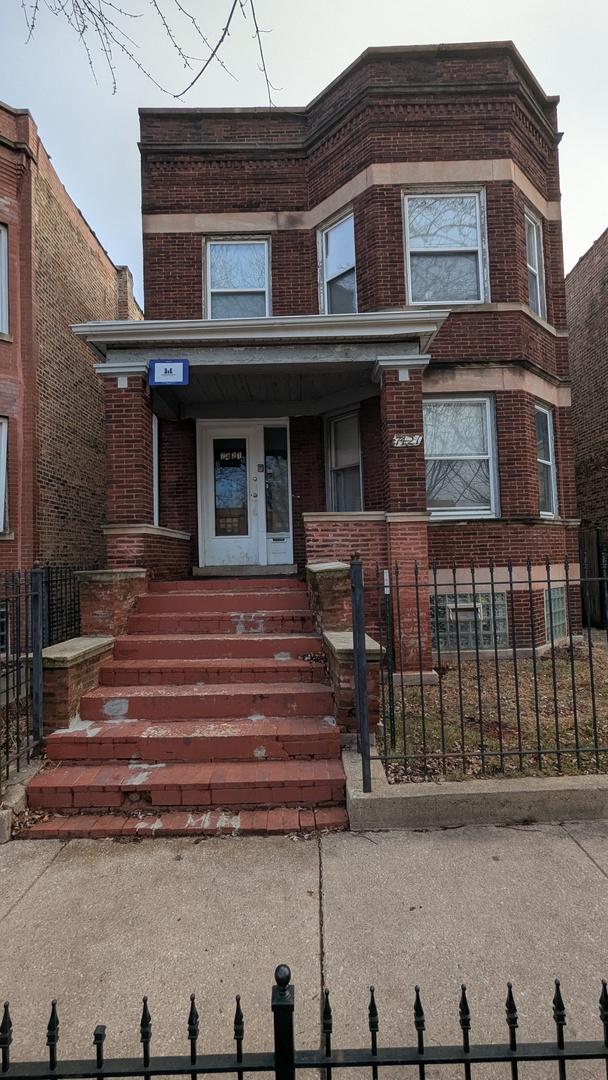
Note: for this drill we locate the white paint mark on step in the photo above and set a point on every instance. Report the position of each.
(115, 707)
(260, 753)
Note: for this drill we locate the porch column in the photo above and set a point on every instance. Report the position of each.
(405, 502)
(129, 497)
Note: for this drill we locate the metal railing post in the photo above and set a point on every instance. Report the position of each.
(37, 646)
(360, 668)
(283, 996)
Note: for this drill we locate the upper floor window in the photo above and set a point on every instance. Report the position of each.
(3, 279)
(460, 457)
(545, 457)
(344, 463)
(445, 257)
(237, 279)
(339, 285)
(534, 257)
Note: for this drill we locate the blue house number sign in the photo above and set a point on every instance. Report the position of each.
(168, 373)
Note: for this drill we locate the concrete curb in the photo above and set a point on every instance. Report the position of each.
(471, 802)
(14, 799)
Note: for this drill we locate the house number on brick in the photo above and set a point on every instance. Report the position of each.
(407, 440)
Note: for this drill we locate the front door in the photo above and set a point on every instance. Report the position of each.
(244, 494)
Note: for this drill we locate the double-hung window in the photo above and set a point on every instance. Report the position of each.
(237, 279)
(338, 268)
(534, 258)
(3, 474)
(344, 463)
(460, 457)
(445, 249)
(3, 279)
(545, 457)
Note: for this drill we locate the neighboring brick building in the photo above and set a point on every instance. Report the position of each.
(53, 272)
(343, 277)
(587, 299)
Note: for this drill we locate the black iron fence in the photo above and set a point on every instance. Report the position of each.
(284, 1060)
(37, 608)
(482, 670)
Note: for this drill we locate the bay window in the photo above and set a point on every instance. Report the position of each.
(460, 457)
(3, 279)
(237, 279)
(338, 268)
(444, 248)
(545, 458)
(534, 258)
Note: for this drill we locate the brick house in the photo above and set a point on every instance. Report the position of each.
(343, 278)
(53, 272)
(587, 300)
(355, 340)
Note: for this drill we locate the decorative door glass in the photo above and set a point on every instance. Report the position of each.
(230, 487)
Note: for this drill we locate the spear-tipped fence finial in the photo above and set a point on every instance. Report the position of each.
(559, 1014)
(604, 1010)
(52, 1035)
(6, 1037)
(145, 1030)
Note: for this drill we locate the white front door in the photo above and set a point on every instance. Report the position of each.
(244, 494)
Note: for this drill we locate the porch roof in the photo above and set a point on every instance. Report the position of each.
(292, 366)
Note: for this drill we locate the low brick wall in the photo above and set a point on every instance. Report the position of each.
(164, 553)
(339, 653)
(70, 669)
(329, 594)
(107, 598)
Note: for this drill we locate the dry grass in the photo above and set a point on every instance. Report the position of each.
(498, 710)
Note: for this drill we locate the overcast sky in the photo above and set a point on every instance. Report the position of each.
(92, 135)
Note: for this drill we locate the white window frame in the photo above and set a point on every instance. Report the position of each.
(331, 419)
(4, 324)
(216, 240)
(323, 279)
(550, 462)
(3, 474)
(155, 473)
(481, 250)
(462, 512)
(539, 270)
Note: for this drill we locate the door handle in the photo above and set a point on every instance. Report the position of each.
(254, 494)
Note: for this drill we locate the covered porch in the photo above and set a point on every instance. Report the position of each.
(292, 440)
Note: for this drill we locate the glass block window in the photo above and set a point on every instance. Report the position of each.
(339, 291)
(453, 620)
(556, 613)
(237, 279)
(445, 257)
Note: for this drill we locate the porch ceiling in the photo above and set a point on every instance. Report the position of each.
(236, 394)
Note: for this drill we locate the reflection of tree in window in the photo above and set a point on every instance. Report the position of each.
(230, 484)
(237, 280)
(277, 480)
(457, 455)
(444, 248)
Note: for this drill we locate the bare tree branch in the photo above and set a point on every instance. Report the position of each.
(263, 68)
(222, 38)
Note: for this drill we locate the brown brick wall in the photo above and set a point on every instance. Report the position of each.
(587, 293)
(307, 476)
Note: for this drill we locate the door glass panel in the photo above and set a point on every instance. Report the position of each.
(277, 480)
(230, 487)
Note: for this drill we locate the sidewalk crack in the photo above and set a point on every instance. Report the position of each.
(34, 881)
(585, 852)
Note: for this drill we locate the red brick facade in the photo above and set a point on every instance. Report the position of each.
(587, 294)
(58, 274)
(430, 120)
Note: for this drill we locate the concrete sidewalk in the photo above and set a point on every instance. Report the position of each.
(97, 924)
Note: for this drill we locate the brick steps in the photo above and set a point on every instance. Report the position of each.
(200, 602)
(216, 646)
(182, 823)
(166, 703)
(278, 738)
(195, 785)
(156, 672)
(293, 621)
(234, 585)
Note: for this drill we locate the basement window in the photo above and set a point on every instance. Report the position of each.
(466, 621)
(3, 279)
(444, 249)
(556, 623)
(237, 279)
(338, 268)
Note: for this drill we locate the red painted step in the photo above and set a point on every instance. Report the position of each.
(274, 739)
(240, 585)
(216, 702)
(202, 602)
(182, 672)
(295, 621)
(191, 784)
(216, 646)
(183, 823)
